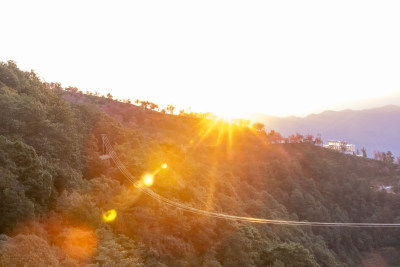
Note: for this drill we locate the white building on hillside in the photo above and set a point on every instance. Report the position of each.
(341, 146)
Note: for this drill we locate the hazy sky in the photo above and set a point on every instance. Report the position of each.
(231, 57)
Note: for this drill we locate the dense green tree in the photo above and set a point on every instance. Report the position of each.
(27, 250)
(15, 205)
(116, 250)
(170, 109)
(22, 162)
(292, 255)
(7, 76)
(258, 126)
(389, 158)
(364, 152)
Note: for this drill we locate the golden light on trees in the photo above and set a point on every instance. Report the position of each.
(148, 180)
(109, 215)
(79, 243)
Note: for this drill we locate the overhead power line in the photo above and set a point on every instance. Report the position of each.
(152, 194)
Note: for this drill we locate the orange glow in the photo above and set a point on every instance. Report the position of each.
(109, 215)
(148, 180)
(79, 243)
(164, 166)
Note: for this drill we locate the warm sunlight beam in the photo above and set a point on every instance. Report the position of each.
(221, 132)
(208, 128)
(109, 216)
(230, 139)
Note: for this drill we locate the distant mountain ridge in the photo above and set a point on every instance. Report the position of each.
(375, 128)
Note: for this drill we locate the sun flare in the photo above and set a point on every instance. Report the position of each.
(148, 180)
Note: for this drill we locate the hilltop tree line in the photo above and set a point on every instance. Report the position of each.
(272, 136)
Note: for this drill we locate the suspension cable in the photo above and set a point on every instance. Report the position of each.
(152, 194)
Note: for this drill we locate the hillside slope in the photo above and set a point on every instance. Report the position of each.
(55, 190)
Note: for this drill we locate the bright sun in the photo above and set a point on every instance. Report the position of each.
(228, 115)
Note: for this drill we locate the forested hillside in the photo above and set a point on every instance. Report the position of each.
(55, 189)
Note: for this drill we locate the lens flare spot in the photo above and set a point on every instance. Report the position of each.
(164, 166)
(109, 215)
(148, 180)
(79, 243)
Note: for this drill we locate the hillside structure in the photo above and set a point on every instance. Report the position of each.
(341, 146)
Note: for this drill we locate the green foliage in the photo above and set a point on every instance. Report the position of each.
(42, 144)
(22, 160)
(244, 248)
(15, 205)
(7, 76)
(26, 185)
(27, 250)
(42, 120)
(116, 250)
(292, 255)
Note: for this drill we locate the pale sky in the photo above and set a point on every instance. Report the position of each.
(229, 57)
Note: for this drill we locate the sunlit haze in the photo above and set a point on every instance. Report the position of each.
(228, 57)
